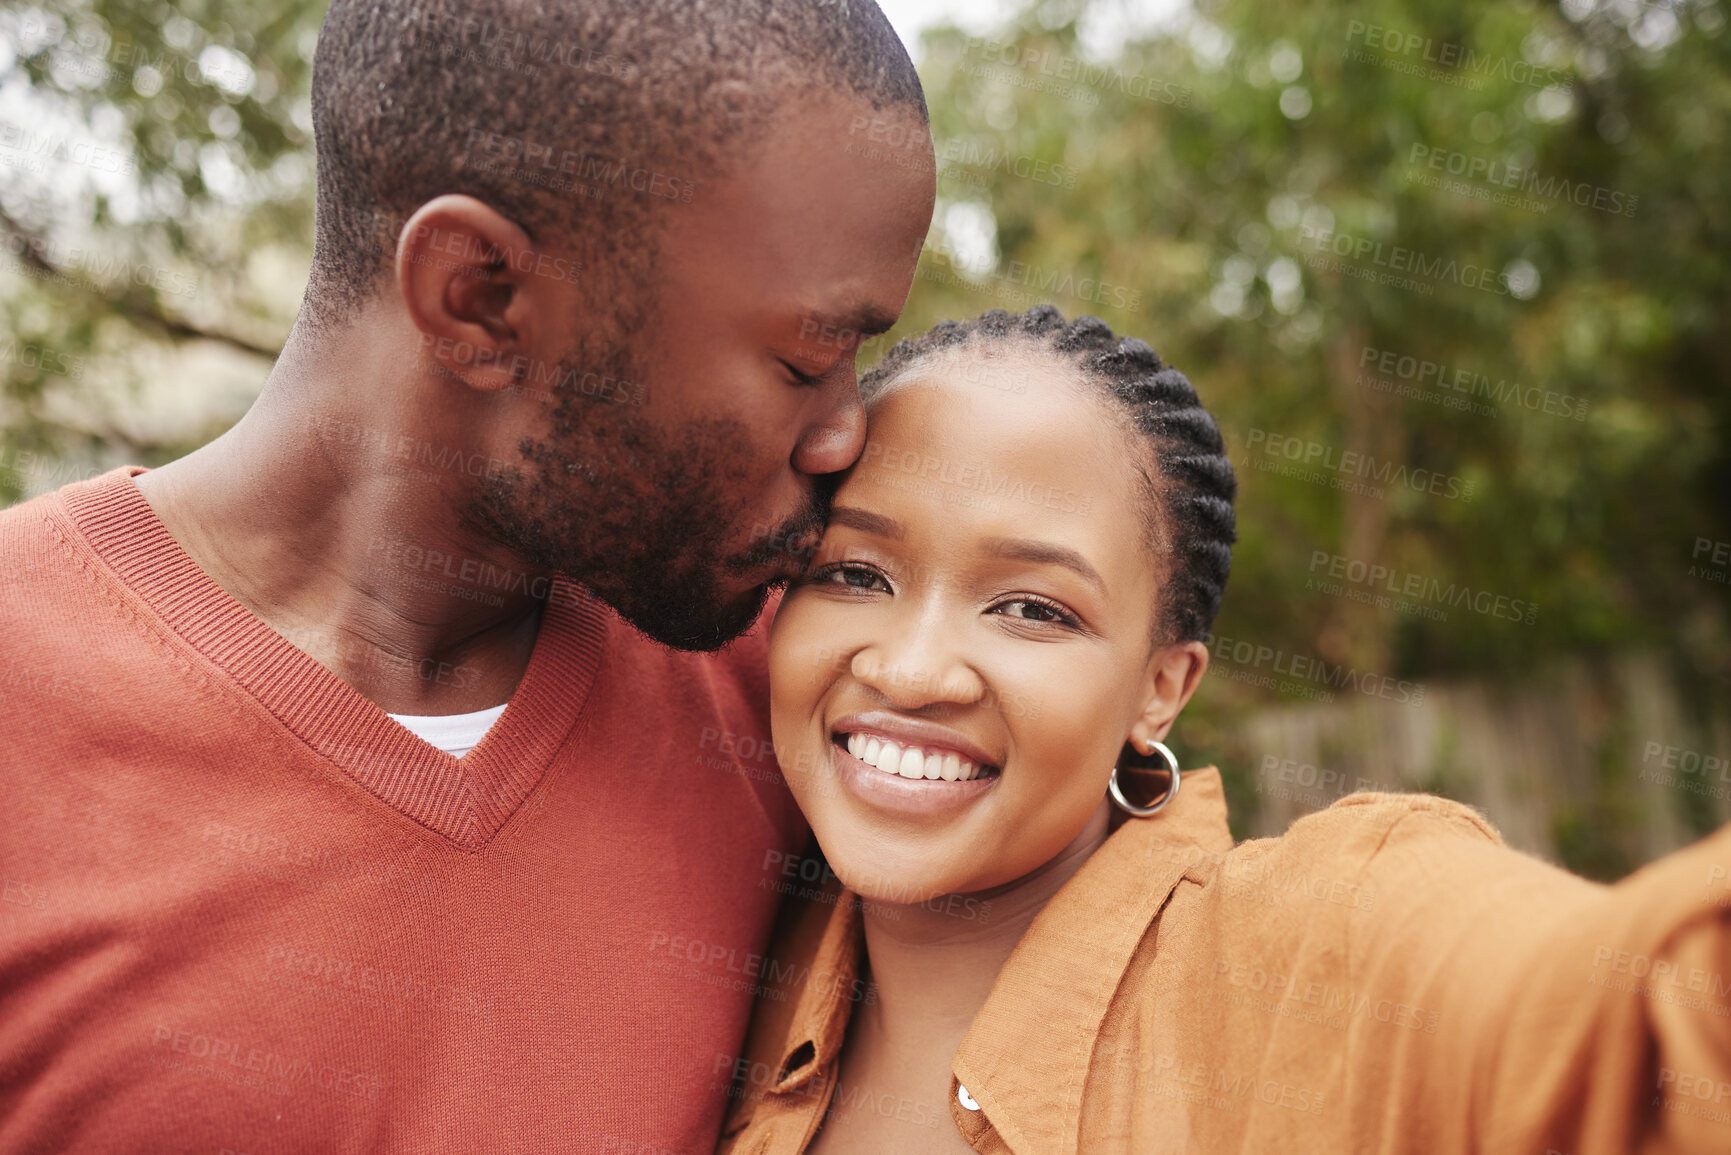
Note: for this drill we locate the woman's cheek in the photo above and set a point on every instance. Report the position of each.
(799, 676)
(792, 661)
(1066, 727)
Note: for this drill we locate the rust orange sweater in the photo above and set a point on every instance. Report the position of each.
(245, 911)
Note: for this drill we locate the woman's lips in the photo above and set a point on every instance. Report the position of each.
(911, 761)
(893, 791)
(889, 726)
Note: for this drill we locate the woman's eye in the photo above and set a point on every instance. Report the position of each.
(1035, 611)
(854, 576)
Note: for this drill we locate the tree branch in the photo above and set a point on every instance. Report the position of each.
(140, 309)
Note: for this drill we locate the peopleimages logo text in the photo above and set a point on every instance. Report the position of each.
(1308, 668)
(1419, 587)
(1363, 466)
(1528, 181)
(1399, 259)
(1422, 371)
(1455, 57)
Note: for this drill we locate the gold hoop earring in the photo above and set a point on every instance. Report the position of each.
(1121, 802)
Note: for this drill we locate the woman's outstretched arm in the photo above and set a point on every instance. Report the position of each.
(1567, 1016)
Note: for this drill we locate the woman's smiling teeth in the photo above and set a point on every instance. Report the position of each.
(911, 761)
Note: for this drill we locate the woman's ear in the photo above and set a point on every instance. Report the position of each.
(1173, 674)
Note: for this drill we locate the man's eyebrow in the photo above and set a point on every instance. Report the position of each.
(1045, 553)
(866, 320)
(873, 523)
(872, 321)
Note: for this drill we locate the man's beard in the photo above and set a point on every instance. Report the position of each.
(643, 516)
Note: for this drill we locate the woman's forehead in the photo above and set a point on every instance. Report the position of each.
(1014, 365)
(1021, 437)
(1009, 400)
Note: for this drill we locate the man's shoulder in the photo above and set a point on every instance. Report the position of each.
(27, 519)
(55, 639)
(725, 691)
(716, 703)
(743, 662)
(35, 523)
(748, 655)
(38, 553)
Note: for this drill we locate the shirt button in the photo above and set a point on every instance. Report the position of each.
(965, 1099)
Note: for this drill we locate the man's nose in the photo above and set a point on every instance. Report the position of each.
(835, 440)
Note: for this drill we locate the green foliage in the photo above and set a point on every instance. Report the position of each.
(1185, 191)
(1213, 165)
(148, 153)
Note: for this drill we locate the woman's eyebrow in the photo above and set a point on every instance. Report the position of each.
(1044, 553)
(873, 523)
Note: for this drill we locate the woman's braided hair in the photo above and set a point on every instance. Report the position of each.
(1190, 515)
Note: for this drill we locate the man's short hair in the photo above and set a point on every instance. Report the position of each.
(580, 118)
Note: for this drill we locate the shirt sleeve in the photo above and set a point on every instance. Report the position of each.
(1550, 1015)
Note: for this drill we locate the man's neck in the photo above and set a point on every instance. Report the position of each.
(331, 511)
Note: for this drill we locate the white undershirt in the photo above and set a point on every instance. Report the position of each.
(455, 734)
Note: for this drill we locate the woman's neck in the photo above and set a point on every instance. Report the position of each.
(933, 965)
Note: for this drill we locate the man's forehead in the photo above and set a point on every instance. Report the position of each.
(816, 146)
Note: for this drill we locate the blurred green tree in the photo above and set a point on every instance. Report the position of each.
(1576, 300)
(148, 153)
(1452, 273)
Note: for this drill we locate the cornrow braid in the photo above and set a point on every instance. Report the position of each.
(1190, 503)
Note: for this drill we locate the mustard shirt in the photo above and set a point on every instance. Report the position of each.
(1386, 977)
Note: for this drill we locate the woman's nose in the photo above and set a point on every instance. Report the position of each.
(916, 667)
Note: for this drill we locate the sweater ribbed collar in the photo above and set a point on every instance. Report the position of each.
(467, 800)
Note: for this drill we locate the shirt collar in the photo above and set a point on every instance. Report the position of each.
(1068, 965)
(827, 988)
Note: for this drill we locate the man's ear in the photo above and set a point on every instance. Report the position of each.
(460, 269)
(1173, 674)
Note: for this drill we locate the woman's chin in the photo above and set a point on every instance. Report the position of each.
(886, 890)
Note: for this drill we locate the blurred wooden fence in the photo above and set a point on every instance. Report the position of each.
(1598, 766)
